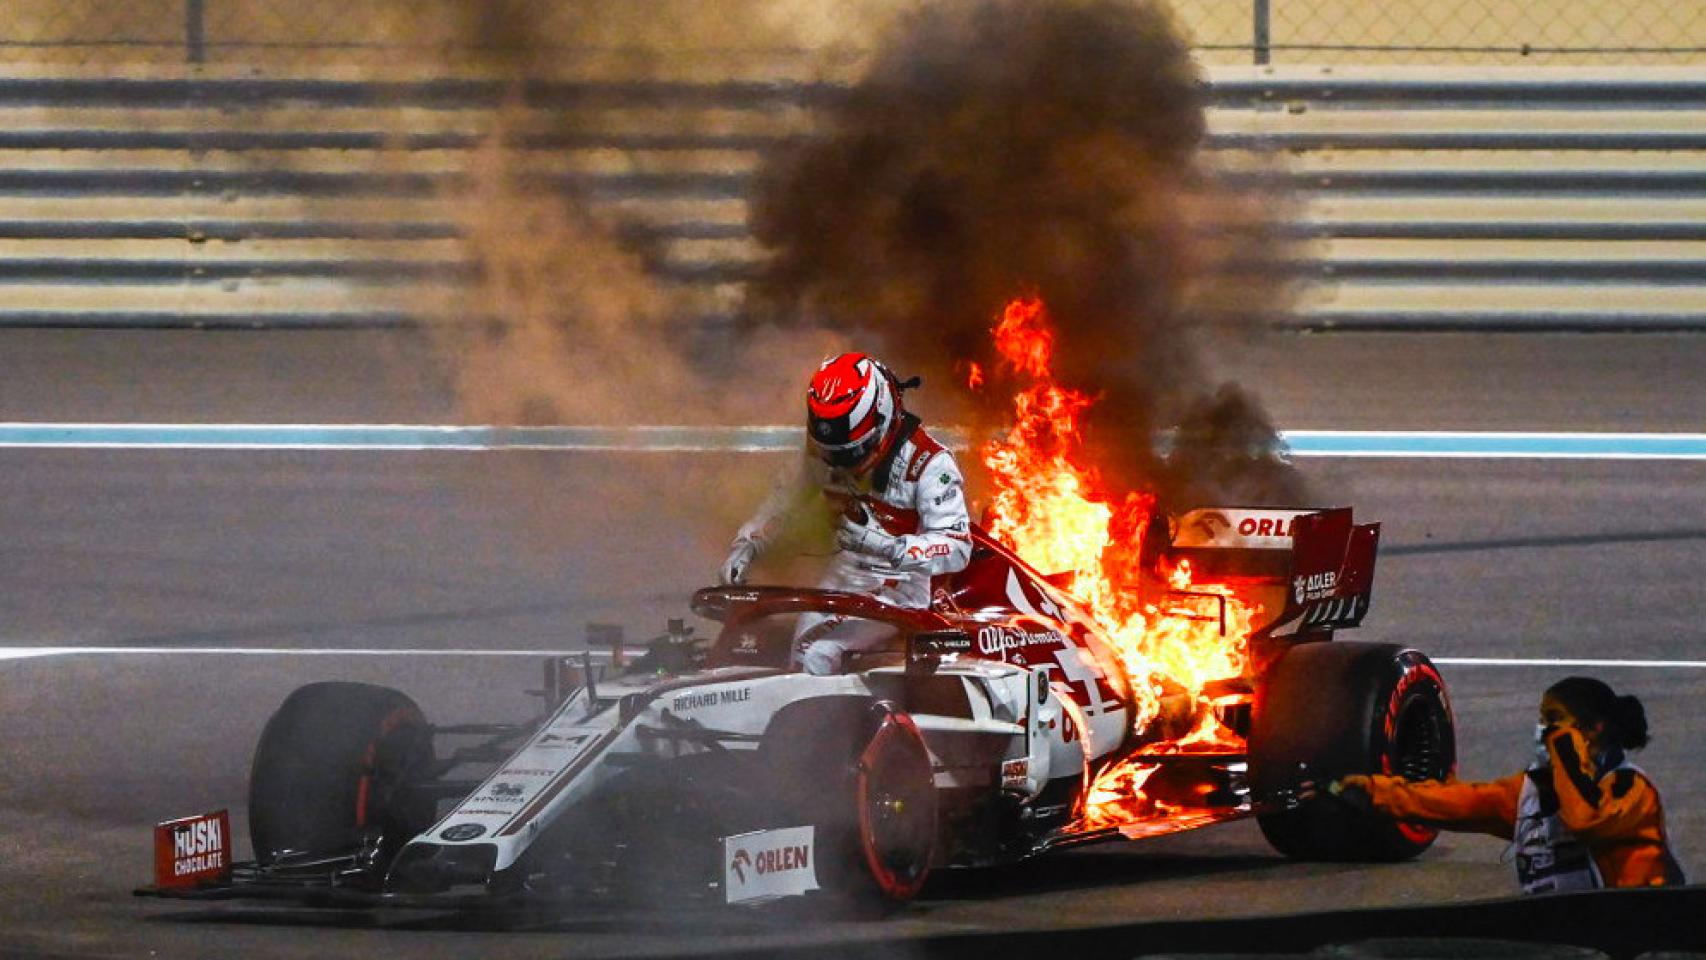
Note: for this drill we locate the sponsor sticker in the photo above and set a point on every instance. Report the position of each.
(1315, 586)
(1265, 526)
(994, 640)
(1015, 774)
(461, 832)
(710, 698)
(1248, 529)
(559, 741)
(945, 645)
(194, 851)
(500, 794)
(767, 864)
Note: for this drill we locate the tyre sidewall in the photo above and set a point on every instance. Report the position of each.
(898, 753)
(1418, 681)
(1326, 710)
(812, 754)
(330, 770)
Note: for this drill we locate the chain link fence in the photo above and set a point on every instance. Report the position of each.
(317, 33)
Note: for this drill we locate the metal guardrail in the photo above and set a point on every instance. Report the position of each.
(130, 172)
(472, 92)
(134, 182)
(241, 140)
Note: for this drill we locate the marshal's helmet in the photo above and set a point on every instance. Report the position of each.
(853, 411)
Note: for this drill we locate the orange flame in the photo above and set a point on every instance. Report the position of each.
(1050, 506)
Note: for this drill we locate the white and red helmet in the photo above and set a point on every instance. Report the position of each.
(853, 411)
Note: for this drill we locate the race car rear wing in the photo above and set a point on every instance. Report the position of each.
(1321, 561)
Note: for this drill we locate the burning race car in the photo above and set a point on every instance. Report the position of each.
(1001, 723)
(1097, 671)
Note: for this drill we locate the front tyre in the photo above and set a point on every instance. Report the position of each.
(332, 770)
(1325, 710)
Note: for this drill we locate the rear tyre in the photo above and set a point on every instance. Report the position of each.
(1325, 710)
(331, 771)
(859, 773)
(896, 795)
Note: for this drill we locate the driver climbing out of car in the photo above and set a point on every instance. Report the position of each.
(897, 495)
(1580, 817)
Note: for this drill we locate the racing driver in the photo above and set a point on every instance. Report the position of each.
(898, 496)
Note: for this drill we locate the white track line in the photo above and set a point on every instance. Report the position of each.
(21, 653)
(1543, 662)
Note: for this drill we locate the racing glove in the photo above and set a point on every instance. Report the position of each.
(867, 539)
(734, 568)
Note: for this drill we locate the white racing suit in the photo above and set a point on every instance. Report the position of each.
(918, 528)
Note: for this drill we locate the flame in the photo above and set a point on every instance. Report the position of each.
(1051, 507)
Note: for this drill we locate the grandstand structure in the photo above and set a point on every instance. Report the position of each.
(212, 194)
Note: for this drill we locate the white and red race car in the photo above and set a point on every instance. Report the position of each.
(983, 734)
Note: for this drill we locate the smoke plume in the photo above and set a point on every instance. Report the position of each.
(566, 319)
(993, 148)
(1000, 148)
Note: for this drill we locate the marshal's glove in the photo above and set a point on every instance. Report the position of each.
(867, 539)
(1542, 757)
(733, 571)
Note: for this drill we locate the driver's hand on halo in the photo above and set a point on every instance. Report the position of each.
(733, 571)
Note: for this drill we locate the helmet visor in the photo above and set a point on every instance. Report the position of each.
(849, 454)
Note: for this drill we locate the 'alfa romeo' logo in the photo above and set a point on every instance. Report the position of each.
(463, 831)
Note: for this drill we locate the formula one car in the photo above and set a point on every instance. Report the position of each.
(978, 736)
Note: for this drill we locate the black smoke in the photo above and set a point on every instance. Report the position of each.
(1001, 148)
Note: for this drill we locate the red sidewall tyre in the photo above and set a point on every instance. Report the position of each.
(896, 799)
(1419, 678)
(330, 770)
(1324, 710)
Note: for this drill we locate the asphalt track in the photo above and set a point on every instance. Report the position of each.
(449, 551)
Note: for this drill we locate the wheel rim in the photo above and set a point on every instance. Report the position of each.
(1419, 749)
(897, 808)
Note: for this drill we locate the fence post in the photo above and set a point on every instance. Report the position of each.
(195, 40)
(1259, 29)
